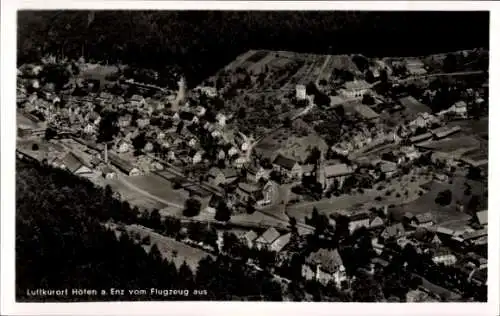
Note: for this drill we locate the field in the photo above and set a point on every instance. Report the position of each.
(447, 216)
(450, 145)
(290, 145)
(366, 200)
(159, 187)
(98, 72)
(25, 121)
(134, 197)
(170, 248)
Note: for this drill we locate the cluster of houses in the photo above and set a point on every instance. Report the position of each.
(445, 246)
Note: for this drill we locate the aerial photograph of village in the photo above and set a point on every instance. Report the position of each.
(316, 156)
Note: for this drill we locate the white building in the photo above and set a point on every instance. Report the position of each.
(300, 92)
(355, 89)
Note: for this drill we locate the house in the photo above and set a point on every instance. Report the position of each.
(123, 146)
(422, 220)
(377, 245)
(355, 89)
(331, 173)
(200, 111)
(148, 147)
(288, 167)
(300, 92)
(420, 138)
(394, 231)
(325, 266)
(444, 256)
(248, 238)
(358, 220)
(441, 177)
(415, 67)
(233, 151)
(482, 218)
(445, 131)
(376, 222)
(137, 101)
(123, 165)
(217, 176)
(143, 122)
(108, 173)
(476, 237)
(192, 142)
(89, 129)
(365, 112)
(255, 173)
(221, 119)
(267, 238)
(125, 120)
(281, 242)
(208, 91)
(197, 158)
(459, 109)
(388, 168)
(246, 192)
(74, 164)
(240, 162)
(479, 277)
(268, 192)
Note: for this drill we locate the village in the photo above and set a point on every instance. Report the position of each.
(339, 164)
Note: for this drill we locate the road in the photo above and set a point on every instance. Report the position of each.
(327, 59)
(459, 73)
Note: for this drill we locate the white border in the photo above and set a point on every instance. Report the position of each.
(8, 128)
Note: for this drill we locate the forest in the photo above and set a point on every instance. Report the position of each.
(201, 42)
(62, 244)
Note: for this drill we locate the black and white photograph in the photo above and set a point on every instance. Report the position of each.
(251, 156)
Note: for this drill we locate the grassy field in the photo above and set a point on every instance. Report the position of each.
(366, 200)
(159, 187)
(23, 120)
(447, 215)
(133, 197)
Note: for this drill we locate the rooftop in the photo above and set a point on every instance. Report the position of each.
(281, 242)
(72, 162)
(423, 217)
(337, 170)
(248, 188)
(284, 162)
(357, 85)
(270, 235)
(366, 112)
(482, 217)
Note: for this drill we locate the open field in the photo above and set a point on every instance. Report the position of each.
(444, 215)
(133, 197)
(98, 72)
(159, 187)
(366, 200)
(22, 120)
(452, 144)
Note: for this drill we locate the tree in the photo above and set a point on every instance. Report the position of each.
(191, 207)
(50, 133)
(155, 219)
(314, 156)
(443, 198)
(368, 99)
(139, 142)
(108, 127)
(222, 212)
(34, 147)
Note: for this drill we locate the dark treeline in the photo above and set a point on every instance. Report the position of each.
(201, 42)
(61, 243)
